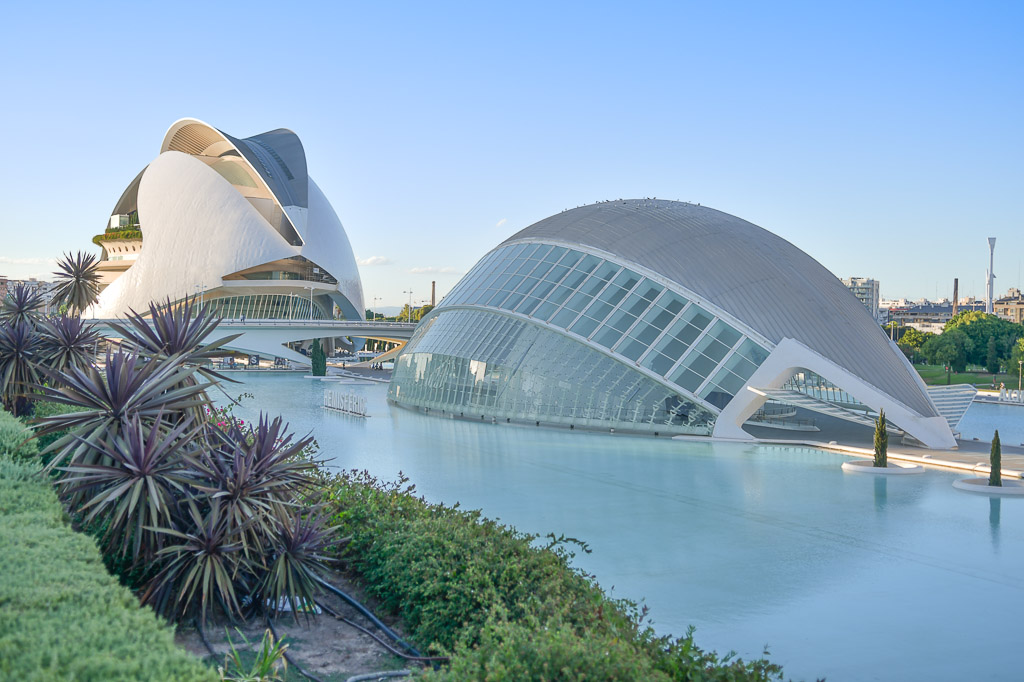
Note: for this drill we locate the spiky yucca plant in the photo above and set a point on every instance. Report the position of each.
(184, 500)
(296, 568)
(66, 342)
(78, 281)
(137, 491)
(257, 473)
(158, 393)
(19, 364)
(175, 330)
(21, 305)
(203, 568)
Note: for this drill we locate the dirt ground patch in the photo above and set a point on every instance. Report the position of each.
(324, 646)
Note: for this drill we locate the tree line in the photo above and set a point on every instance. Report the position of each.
(969, 338)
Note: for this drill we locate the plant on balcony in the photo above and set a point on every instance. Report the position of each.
(881, 441)
(118, 234)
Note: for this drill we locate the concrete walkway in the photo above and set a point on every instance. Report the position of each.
(848, 438)
(972, 456)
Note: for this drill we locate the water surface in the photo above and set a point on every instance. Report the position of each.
(843, 575)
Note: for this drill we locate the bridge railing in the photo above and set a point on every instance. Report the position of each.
(300, 323)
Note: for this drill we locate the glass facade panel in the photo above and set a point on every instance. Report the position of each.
(264, 307)
(615, 308)
(512, 369)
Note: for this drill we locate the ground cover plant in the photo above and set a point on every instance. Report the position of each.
(63, 616)
(15, 438)
(506, 605)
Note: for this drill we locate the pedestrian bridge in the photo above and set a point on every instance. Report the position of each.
(267, 337)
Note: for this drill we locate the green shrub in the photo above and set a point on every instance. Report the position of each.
(63, 616)
(505, 606)
(45, 408)
(530, 651)
(14, 438)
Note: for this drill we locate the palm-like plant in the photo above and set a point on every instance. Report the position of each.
(175, 330)
(78, 281)
(19, 358)
(137, 491)
(299, 555)
(206, 562)
(127, 386)
(66, 342)
(256, 473)
(21, 305)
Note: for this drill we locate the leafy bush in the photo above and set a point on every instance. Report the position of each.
(504, 606)
(530, 651)
(13, 437)
(63, 616)
(45, 408)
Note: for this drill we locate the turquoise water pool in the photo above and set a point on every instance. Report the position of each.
(841, 575)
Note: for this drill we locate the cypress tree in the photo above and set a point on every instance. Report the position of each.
(881, 441)
(317, 359)
(992, 357)
(995, 460)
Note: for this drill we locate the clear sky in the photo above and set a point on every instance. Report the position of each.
(883, 138)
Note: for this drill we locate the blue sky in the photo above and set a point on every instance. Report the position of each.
(884, 139)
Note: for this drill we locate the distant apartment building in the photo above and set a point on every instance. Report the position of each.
(866, 290)
(8, 285)
(1010, 307)
(928, 316)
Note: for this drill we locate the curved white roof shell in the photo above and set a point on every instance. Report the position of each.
(757, 277)
(657, 316)
(211, 206)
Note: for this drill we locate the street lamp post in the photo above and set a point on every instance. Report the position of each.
(1020, 370)
(410, 304)
(310, 301)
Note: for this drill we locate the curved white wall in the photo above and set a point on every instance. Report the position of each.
(197, 228)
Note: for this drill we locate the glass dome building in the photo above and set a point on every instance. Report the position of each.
(656, 317)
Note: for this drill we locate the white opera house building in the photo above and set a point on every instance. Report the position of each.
(237, 222)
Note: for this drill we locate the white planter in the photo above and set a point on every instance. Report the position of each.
(1013, 487)
(867, 466)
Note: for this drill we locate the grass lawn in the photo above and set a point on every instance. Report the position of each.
(935, 375)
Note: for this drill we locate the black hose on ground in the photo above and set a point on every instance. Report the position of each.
(366, 677)
(290, 660)
(373, 619)
(202, 636)
(418, 659)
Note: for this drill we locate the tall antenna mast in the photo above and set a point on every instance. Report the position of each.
(990, 276)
